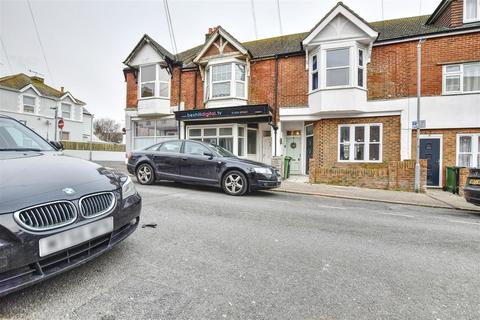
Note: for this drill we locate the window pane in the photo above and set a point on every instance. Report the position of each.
(360, 57)
(360, 77)
(207, 87)
(241, 147)
(195, 132)
(141, 143)
(374, 133)
(222, 72)
(241, 131)
(195, 148)
(314, 63)
(66, 114)
(28, 109)
(452, 83)
(210, 132)
(252, 141)
(148, 90)
(239, 72)
(315, 81)
(309, 130)
(471, 77)
(164, 89)
(144, 128)
(344, 152)
(164, 75)
(465, 160)
(344, 134)
(454, 68)
(465, 144)
(66, 107)
(166, 127)
(29, 100)
(338, 58)
(221, 89)
(374, 152)
(471, 7)
(338, 77)
(148, 73)
(226, 143)
(359, 151)
(225, 131)
(172, 146)
(359, 134)
(240, 89)
(210, 140)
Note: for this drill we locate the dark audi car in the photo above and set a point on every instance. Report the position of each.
(472, 188)
(198, 162)
(56, 212)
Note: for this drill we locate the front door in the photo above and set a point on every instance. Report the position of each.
(309, 152)
(430, 150)
(294, 150)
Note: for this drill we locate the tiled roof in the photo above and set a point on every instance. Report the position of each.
(21, 80)
(405, 27)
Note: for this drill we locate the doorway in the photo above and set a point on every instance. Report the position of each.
(309, 146)
(294, 150)
(430, 150)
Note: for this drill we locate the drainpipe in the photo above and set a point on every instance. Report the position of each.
(419, 93)
(275, 112)
(179, 96)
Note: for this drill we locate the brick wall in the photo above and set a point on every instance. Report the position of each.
(325, 140)
(392, 72)
(449, 146)
(452, 16)
(131, 89)
(462, 180)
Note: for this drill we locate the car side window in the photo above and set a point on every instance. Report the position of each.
(195, 148)
(171, 146)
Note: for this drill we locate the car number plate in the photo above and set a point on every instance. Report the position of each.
(475, 182)
(70, 238)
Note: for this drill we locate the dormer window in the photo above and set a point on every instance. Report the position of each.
(66, 111)
(225, 81)
(471, 10)
(154, 82)
(28, 104)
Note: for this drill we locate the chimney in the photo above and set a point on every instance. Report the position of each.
(210, 31)
(37, 79)
(62, 89)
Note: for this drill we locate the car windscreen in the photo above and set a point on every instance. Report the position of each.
(16, 137)
(221, 151)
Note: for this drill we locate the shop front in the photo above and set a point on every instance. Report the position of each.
(243, 130)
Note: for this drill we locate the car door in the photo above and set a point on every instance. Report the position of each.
(195, 166)
(167, 158)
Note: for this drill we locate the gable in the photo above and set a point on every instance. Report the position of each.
(339, 28)
(147, 54)
(219, 47)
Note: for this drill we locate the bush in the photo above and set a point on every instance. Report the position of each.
(73, 145)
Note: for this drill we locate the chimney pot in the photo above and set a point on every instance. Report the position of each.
(62, 89)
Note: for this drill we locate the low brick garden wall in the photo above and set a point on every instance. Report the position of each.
(462, 180)
(394, 175)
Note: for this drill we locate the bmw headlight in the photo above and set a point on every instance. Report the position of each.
(128, 188)
(266, 171)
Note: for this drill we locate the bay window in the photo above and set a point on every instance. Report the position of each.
(461, 78)
(471, 10)
(154, 81)
(225, 81)
(361, 69)
(360, 143)
(314, 72)
(338, 67)
(468, 150)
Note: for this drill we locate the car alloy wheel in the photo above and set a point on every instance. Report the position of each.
(145, 174)
(235, 183)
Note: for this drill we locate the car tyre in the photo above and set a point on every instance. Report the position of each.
(235, 183)
(145, 174)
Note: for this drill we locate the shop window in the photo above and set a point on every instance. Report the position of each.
(360, 143)
(219, 136)
(149, 132)
(468, 150)
(241, 141)
(252, 141)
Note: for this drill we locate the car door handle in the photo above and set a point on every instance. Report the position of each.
(184, 159)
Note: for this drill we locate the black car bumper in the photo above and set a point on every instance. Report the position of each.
(261, 182)
(131, 168)
(472, 194)
(22, 266)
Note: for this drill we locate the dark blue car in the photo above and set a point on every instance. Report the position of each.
(203, 163)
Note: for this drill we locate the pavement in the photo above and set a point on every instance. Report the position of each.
(272, 255)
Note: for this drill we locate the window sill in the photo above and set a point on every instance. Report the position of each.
(466, 21)
(358, 161)
(459, 93)
(225, 98)
(337, 88)
(151, 98)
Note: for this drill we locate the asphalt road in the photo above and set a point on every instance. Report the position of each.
(272, 256)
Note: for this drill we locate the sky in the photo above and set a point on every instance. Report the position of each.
(85, 42)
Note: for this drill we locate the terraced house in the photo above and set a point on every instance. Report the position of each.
(339, 99)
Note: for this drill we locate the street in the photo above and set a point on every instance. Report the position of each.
(272, 255)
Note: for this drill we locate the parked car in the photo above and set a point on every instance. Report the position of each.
(203, 163)
(472, 187)
(56, 212)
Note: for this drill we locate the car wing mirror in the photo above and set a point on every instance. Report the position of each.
(208, 154)
(57, 145)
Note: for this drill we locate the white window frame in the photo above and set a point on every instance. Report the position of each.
(217, 135)
(475, 149)
(325, 68)
(156, 82)
(465, 19)
(366, 143)
(460, 74)
(29, 105)
(208, 83)
(314, 71)
(360, 67)
(71, 110)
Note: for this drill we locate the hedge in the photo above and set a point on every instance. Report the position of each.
(95, 146)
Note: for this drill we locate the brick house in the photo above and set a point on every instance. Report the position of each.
(339, 99)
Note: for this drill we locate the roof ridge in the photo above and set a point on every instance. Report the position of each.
(402, 18)
(276, 37)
